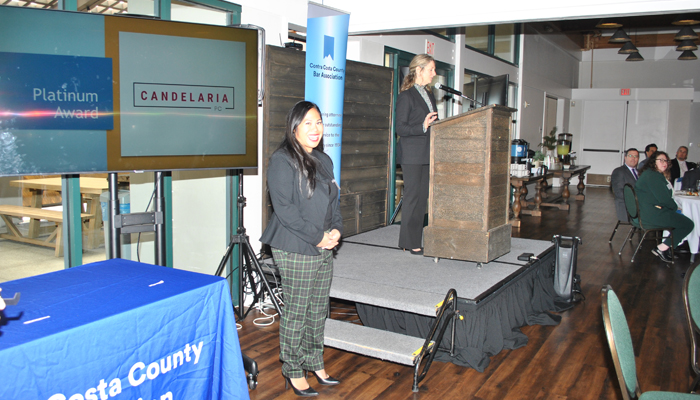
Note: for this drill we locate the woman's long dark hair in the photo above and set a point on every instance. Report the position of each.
(305, 163)
(651, 164)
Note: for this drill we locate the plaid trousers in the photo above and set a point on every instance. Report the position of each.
(306, 284)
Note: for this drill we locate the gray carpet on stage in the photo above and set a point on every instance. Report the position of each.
(369, 268)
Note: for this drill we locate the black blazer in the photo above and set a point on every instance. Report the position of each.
(414, 144)
(691, 178)
(619, 177)
(676, 169)
(297, 223)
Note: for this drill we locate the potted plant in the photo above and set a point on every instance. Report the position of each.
(538, 158)
(549, 142)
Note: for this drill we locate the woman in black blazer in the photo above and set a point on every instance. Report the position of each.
(415, 111)
(305, 227)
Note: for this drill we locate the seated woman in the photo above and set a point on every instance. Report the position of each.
(656, 205)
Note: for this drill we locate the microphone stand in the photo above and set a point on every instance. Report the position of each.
(470, 99)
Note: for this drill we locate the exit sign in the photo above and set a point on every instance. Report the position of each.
(624, 92)
(429, 48)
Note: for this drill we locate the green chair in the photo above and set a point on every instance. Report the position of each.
(691, 295)
(620, 341)
(632, 206)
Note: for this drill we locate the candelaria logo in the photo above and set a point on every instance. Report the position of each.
(183, 96)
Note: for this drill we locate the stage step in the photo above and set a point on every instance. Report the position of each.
(387, 296)
(372, 342)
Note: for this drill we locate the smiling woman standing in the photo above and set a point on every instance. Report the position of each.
(656, 204)
(415, 111)
(304, 228)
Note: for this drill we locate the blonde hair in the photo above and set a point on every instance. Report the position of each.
(420, 60)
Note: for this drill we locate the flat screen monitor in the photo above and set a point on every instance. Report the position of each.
(87, 93)
(488, 90)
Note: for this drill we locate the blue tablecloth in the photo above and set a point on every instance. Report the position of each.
(123, 330)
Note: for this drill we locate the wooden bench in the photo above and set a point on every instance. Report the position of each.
(7, 212)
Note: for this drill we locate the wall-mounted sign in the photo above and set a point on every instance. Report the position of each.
(429, 48)
(624, 92)
(42, 91)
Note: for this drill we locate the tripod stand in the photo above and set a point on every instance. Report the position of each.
(247, 262)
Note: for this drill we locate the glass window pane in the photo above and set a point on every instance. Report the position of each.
(477, 37)
(504, 42)
(141, 7)
(188, 12)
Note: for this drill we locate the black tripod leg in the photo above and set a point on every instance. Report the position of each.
(266, 285)
(220, 269)
(248, 274)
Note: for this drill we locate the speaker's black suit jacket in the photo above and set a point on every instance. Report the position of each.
(414, 144)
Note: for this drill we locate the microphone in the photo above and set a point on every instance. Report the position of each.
(447, 89)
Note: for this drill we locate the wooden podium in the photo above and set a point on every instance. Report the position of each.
(469, 186)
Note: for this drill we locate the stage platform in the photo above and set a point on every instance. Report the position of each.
(398, 292)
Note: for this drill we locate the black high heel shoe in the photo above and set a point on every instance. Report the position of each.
(310, 392)
(330, 381)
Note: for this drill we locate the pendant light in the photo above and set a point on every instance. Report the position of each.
(688, 55)
(635, 57)
(628, 48)
(686, 45)
(608, 24)
(686, 33)
(619, 37)
(686, 21)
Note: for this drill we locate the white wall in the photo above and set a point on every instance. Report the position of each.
(371, 16)
(660, 69)
(550, 66)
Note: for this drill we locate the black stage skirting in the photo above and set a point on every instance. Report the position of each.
(489, 326)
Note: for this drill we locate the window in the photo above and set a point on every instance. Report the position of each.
(500, 41)
(477, 37)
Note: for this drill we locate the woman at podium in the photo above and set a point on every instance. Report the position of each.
(304, 228)
(415, 111)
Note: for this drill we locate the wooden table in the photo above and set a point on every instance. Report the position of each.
(520, 205)
(562, 200)
(90, 190)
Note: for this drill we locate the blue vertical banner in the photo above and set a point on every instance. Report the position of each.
(326, 48)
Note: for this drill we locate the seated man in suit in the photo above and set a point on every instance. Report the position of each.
(626, 173)
(679, 165)
(690, 179)
(648, 151)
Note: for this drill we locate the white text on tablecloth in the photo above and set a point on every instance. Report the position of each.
(138, 374)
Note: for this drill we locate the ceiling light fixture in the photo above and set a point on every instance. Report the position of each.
(686, 33)
(686, 21)
(688, 55)
(635, 57)
(687, 45)
(628, 48)
(608, 24)
(619, 37)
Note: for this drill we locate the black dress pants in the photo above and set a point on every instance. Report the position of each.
(416, 184)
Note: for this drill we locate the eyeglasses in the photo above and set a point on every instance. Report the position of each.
(662, 160)
(632, 156)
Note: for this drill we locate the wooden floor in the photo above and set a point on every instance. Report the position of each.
(568, 361)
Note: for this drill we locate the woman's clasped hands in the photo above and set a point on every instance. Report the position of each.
(330, 240)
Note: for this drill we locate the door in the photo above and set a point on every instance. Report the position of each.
(602, 135)
(647, 122)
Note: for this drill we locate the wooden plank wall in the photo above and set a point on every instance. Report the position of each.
(368, 106)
